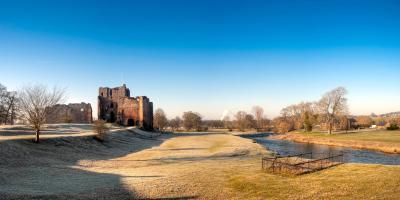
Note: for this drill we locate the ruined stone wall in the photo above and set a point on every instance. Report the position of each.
(128, 111)
(116, 105)
(71, 113)
(145, 112)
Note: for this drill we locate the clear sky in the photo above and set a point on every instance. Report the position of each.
(207, 56)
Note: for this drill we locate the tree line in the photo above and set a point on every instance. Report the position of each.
(30, 106)
(193, 121)
(8, 106)
(329, 113)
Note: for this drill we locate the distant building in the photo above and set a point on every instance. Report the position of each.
(72, 113)
(117, 106)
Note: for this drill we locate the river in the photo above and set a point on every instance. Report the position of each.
(351, 155)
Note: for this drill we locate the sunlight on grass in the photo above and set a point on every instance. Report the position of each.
(350, 181)
(376, 136)
(216, 146)
(380, 140)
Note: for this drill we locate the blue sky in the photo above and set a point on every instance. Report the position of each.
(207, 56)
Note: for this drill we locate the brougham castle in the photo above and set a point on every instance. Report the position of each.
(115, 105)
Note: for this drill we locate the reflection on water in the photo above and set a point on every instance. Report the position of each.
(285, 147)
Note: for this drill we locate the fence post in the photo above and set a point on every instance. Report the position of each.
(262, 163)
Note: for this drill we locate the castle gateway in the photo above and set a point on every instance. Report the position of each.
(116, 106)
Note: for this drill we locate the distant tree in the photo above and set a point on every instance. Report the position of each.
(191, 121)
(392, 127)
(332, 105)
(228, 123)
(241, 120)
(244, 121)
(8, 106)
(394, 123)
(379, 121)
(300, 115)
(160, 119)
(344, 123)
(282, 125)
(34, 100)
(364, 121)
(292, 115)
(213, 123)
(397, 120)
(250, 121)
(307, 121)
(13, 107)
(175, 123)
(3, 94)
(265, 123)
(258, 112)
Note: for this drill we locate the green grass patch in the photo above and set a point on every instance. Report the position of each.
(370, 136)
(349, 181)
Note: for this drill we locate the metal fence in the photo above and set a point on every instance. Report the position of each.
(301, 163)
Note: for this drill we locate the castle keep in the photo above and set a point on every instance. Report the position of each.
(116, 105)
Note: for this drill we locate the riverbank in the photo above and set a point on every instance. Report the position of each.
(172, 166)
(384, 141)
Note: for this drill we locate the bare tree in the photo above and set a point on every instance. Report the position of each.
(160, 119)
(228, 123)
(241, 120)
(364, 121)
(101, 128)
(332, 105)
(307, 121)
(8, 106)
(191, 120)
(175, 123)
(250, 121)
(244, 121)
(258, 112)
(292, 115)
(344, 123)
(3, 107)
(282, 125)
(34, 101)
(11, 107)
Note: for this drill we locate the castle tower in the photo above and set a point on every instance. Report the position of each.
(116, 106)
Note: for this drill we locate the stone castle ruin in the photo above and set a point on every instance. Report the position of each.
(80, 113)
(115, 105)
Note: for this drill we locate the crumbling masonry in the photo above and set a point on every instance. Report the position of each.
(115, 105)
(72, 113)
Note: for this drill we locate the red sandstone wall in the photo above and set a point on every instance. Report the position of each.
(127, 110)
(71, 113)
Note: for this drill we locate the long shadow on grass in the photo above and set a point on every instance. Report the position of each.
(46, 170)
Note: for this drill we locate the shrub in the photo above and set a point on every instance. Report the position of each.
(308, 127)
(101, 128)
(393, 127)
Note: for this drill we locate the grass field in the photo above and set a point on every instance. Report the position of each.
(374, 136)
(171, 166)
(381, 140)
(349, 181)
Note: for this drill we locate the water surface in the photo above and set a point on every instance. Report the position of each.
(352, 155)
